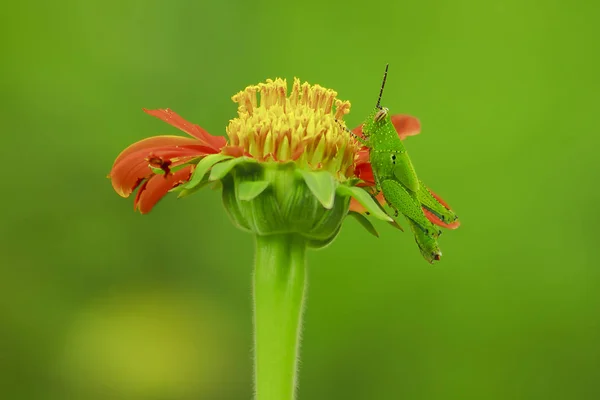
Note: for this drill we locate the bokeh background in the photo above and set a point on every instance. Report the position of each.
(99, 302)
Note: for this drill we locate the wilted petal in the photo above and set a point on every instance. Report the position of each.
(159, 141)
(127, 176)
(172, 118)
(157, 186)
(132, 166)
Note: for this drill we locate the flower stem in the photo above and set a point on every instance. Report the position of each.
(279, 285)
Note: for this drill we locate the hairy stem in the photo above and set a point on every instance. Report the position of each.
(279, 285)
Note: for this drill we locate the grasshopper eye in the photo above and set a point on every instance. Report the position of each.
(381, 114)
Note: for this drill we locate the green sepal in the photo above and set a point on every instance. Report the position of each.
(248, 190)
(364, 221)
(186, 192)
(331, 219)
(396, 225)
(222, 169)
(322, 184)
(321, 243)
(202, 168)
(231, 204)
(366, 200)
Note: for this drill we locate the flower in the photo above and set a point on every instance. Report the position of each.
(299, 128)
(288, 166)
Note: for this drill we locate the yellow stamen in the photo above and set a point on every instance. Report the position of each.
(304, 127)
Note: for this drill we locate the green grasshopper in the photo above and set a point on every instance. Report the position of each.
(395, 175)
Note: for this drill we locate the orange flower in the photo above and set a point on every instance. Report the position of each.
(305, 127)
(406, 126)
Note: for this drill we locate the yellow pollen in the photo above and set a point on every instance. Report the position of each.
(306, 127)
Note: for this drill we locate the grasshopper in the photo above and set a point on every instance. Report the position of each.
(395, 176)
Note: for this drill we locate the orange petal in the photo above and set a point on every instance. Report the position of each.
(130, 170)
(234, 151)
(362, 156)
(365, 172)
(124, 180)
(356, 206)
(172, 118)
(157, 186)
(159, 141)
(406, 125)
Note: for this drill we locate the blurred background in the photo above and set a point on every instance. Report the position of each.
(99, 302)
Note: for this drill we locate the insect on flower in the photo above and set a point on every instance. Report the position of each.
(289, 163)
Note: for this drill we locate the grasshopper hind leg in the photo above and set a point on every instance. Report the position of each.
(400, 199)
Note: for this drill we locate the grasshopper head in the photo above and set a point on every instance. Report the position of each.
(379, 113)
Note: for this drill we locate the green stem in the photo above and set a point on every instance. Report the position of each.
(279, 283)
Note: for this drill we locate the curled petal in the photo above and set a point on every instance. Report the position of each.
(127, 176)
(157, 186)
(158, 141)
(406, 125)
(172, 118)
(132, 166)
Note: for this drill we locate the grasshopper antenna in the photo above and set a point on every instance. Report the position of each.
(382, 86)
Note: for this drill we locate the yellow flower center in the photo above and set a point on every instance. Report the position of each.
(306, 127)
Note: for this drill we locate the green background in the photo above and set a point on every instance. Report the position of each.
(99, 302)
